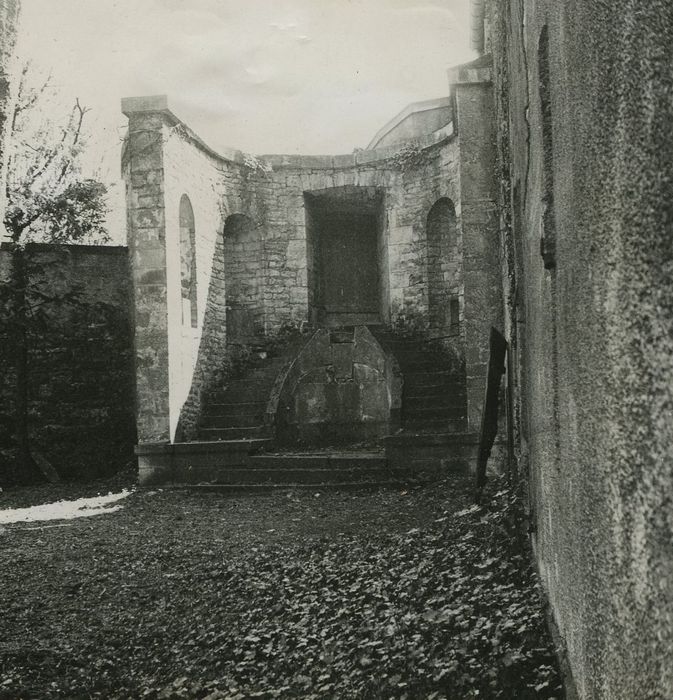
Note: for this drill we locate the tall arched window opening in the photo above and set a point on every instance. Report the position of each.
(188, 263)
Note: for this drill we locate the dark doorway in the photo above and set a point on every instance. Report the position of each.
(344, 226)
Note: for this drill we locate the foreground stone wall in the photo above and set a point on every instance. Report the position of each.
(584, 103)
(80, 383)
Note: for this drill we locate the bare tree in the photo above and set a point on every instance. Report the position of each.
(48, 200)
(46, 193)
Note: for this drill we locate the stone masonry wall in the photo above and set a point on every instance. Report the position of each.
(594, 331)
(269, 191)
(80, 362)
(481, 264)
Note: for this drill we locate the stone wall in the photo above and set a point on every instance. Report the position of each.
(481, 264)
(164, 160)
(591, 325)
(80, 376)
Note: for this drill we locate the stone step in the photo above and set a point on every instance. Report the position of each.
(425, 366)
(430, 408)
(321, 461)
(307, 476)
(449, 400)
(446, 451)
(258, 489)
(227, 434)
(437, 378)
(241, 391)
(193, 462)
(431, 391)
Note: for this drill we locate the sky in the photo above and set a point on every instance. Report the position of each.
(264, 76)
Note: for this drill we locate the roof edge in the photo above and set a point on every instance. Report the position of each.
(412, 108)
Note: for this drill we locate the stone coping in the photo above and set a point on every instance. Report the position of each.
(474, 72)
(158, 104)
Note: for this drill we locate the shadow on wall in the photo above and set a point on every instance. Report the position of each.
(212, 347)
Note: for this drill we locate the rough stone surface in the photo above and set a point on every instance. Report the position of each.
(338, 391)
(80, 360)
(268, 278)
(593, 336)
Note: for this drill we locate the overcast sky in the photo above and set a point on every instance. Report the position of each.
(265, 76)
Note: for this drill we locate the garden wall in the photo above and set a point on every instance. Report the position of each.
(80, 387)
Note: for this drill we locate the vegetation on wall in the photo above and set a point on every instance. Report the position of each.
(48, 200)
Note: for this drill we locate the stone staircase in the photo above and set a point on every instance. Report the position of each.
(434, 396)
(238, 409)
(336, 469)
(235, 449)
(237, 412)
(434, 437)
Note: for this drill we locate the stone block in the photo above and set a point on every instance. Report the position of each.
(342, 360)
(147, 218)
(365, 374)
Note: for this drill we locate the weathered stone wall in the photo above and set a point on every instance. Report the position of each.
(80, 375)
(193, 356)
(339, 391)
(481, 265)
(164, 161)
(245, 279)
(143, 170)
(593, 332)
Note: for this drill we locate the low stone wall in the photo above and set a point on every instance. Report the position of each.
(80, 378)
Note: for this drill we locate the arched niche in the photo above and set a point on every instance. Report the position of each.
(243, 279)
(443, 263)
(188, 263)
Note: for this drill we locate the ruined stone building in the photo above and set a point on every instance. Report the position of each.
(537, 199)
(300, 301)
(230, 249)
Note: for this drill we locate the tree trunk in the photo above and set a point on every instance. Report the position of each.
(21, 366)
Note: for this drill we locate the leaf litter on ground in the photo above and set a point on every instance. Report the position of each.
(187, 594)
